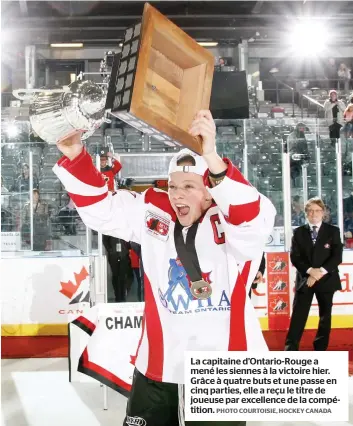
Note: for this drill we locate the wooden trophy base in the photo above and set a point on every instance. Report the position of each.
(163, 79)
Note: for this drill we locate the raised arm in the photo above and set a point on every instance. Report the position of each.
(116, 167)
(119, 214)
(247, 217)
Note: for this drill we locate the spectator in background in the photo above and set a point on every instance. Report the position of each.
(298, 148)
(334, 110)
(5, 199)
(135, 257)
(108, 171)
(348, 219)
(348, 205)
(279, 220)
(348, 230)
(22, 182)
(116, 249)
(118, 253)
(348, 225)
(298, 215)
(40, 222)
(68, 217)
(344, 74)
(7, 222)
(348, 118)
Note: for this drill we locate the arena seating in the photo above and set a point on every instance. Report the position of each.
(264, 147)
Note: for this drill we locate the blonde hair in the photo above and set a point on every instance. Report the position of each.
(315, 200)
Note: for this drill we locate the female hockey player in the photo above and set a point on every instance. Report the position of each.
(197, 242)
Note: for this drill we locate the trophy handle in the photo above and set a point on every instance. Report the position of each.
(27, 94)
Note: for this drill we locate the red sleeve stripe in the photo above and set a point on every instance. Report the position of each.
(237, 332)
(85, 201)
(243, 212)
(160, 199)
(73, 184)
(83, 169)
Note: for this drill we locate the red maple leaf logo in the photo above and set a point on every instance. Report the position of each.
(68, 289)
(152, 223)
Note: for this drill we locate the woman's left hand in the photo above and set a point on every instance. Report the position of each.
(204, 126)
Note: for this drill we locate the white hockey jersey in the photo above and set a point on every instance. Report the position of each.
(232, 232)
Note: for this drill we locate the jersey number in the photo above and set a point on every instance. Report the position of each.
(219, 236)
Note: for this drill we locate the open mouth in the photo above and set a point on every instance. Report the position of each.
(182, 209)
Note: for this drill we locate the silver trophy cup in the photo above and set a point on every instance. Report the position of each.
(56, 113)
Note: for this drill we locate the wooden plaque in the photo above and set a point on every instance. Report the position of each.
(164, 77)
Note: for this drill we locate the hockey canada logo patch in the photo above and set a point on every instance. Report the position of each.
(279, 285)
(278, 305)
(157, 226)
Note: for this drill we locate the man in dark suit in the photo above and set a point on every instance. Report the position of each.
(316, 253)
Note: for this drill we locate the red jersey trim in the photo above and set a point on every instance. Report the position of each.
(160, 200)
(86, 200)
(237, 332)
(99, 373)
(243, 212)
(141, 337)
(83, 169)
(154, 335)
(135, 259)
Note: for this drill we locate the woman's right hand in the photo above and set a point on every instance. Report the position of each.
(71, 146)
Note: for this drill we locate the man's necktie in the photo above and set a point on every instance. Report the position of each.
(314, 234)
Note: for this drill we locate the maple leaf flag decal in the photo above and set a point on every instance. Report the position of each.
(68, 288)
